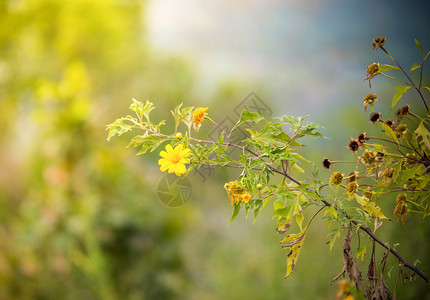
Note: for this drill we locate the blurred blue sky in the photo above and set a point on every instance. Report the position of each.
(308, 54)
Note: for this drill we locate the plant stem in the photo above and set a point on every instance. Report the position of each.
(407, 76)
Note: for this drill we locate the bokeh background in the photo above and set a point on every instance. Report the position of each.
(80, 217)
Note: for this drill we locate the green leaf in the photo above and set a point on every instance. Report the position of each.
(422, 132)
(415, 66)
(297, 156)
(235, 212)
(419, 47)
(118, 127)
(299, 219)
(427, 88)
(297, 168)
(148, 142)
(361, 252)
(401, 90)
(389, 132)
(249, 117)
(387, 68)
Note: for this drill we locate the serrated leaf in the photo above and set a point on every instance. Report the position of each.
(147, 142)
(422, 132)
(419, 47)
(401, 90)
(387, 68)
(415, 66)
(118, 127)
(249, 117)
(370, 207)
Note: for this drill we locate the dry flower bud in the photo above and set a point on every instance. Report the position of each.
(378, 42)
(369, 99)
(374, 117)
(336, 178)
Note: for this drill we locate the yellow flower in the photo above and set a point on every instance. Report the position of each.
(174, 160)
(236, 193)
(198, 117)
(246, 197)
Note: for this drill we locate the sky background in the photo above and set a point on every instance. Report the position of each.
(308, 55)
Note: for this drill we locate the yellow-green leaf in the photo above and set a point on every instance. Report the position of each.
(422, 132)
(401, 90)
(415, 66)
(370, 207)
(387, 67)
(419, 46)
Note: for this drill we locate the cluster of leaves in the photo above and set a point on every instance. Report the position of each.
(397, 165)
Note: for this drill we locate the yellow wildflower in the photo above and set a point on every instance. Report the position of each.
(174, 160)
(198, 117)
(236, 193)
(246, 197)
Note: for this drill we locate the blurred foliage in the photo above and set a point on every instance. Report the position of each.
(76, 218)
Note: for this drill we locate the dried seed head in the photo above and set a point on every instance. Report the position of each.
(351, 188)
(336, 178)
(387, 175)
(389, 122)
(379, 156)
(401, 130)
(371, 72)
(362, 138)
(402, 112)
(368, 193)
(369, 99)
(378, 42)
(351, 177)
(353, 145)
(368, 157)
(374, 117)
(326, 163)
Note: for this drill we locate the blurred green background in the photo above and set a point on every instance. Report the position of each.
(80, 217)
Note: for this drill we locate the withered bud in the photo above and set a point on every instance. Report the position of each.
(379, 156)
(368, 193)
(336, 178)
(378, 42)
(374, 117)
(372, 70)
(368, 157)
(326, 163)
(387, 174)
(402, 112)
(351, 177)
(351, 188)
(362, 138)
(401, 130)
(389, 122)
(369, 99)
(353, 145)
